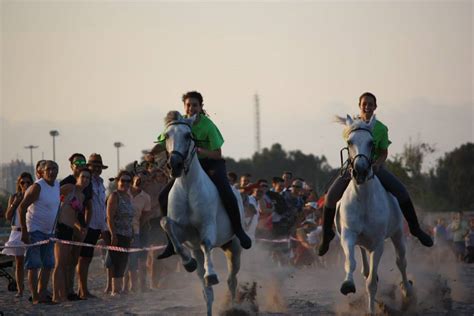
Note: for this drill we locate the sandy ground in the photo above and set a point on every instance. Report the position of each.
(442, 286)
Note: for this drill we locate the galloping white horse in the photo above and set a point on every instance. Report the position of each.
(368, 214)
(196, 215)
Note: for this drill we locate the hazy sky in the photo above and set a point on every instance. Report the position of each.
(106, 71)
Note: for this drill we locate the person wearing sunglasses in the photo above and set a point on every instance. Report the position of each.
(120, 214)
(24, 181)
(77, 163)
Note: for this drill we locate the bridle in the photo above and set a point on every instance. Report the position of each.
(349, 163)
(187, 158)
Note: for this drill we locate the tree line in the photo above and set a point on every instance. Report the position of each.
(449, 186)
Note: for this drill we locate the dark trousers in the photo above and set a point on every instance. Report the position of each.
(388, 180)
(118, 259)
(217, 172)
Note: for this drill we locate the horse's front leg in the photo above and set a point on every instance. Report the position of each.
(398, 241)
(232, 252)
(170, 227)
(371, 282)
(208, 240)
(348, 240)
(207, 291)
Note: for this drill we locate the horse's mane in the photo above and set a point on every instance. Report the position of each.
(357, 123)
(173, 116)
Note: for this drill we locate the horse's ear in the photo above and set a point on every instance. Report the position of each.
(349, 120)
(372, 122)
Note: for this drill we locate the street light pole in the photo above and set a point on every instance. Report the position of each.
(118, 145)
(31, 147)
(54, 133)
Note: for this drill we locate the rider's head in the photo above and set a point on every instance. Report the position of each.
(193, 103)
(367, 105)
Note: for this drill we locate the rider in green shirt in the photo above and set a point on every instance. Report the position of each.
(367, 106)
(209, 141)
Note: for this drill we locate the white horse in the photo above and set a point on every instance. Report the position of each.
(196, 215)
(368, 214)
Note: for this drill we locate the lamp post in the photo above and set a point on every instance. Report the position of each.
(118, 145)
(31, 147)
(54, 133)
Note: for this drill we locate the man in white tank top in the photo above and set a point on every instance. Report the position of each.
(38, 212)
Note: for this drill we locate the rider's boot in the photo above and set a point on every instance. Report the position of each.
(234, 216)
(328, 233)
(169, 250)
(409, 213)
(244, 239)
(163, 200)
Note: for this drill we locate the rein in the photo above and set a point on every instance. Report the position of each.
(348, 164)
(186, 160)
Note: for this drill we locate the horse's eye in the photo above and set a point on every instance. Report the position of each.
(188, 136)
(349, 143)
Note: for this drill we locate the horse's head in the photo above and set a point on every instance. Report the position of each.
(179, 142)
(358, 135)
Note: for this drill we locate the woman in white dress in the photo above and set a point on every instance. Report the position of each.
(24, 181)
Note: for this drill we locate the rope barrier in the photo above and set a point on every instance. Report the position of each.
(116, 248)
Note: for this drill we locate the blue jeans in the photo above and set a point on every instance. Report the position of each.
(41, 256)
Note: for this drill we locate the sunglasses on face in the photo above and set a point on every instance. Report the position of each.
(25, 182)
(296, 187)
(79, 163)
(125, 180)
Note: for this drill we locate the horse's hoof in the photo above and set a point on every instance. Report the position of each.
(348, 287)
(211, 280)
(191, 265)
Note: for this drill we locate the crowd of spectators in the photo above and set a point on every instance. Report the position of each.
(282, 215)
(79, 209)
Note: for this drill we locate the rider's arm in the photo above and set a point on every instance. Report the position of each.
(213, 154)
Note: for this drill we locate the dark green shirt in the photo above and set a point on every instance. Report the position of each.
(205, 133)
(379, 136)
(381, 141)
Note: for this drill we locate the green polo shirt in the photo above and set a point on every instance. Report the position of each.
(380, 138)
(381, 141)
(205, 133)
